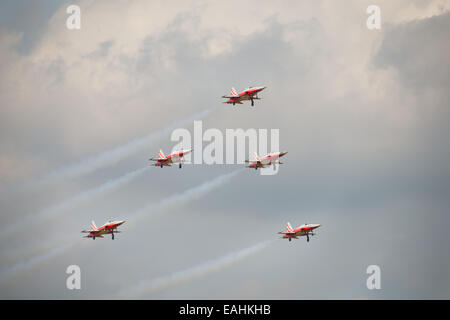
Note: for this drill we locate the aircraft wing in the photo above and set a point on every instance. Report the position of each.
(291, 235)
(230, 102)
(92, 231)
(112, 231)
(97, 236)
(162, 161)
(165, 163)
(255, 163)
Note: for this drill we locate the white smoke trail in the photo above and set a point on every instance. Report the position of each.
(178, 199)
(28, 264)
(148, 287)
(71, 203)
(113, 156)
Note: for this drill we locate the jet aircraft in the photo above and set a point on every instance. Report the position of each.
(267, 160)
(108, 228)
(176, 157)
(303, 230)
(250, 93)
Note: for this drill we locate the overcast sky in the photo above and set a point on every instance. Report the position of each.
(364, 115)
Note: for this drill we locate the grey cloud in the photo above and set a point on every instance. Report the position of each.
(102, 51)
(418, 50)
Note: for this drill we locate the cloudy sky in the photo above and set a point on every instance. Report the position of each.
(364, 115)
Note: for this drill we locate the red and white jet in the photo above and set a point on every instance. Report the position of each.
(303, 230)
(108, 228)
(175, 157)
(271, 158)
(250, 93)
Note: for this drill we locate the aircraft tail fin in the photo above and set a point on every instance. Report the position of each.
(256, 157)
(93, 226)
(233, 92)
(289, 228)
(161, 154)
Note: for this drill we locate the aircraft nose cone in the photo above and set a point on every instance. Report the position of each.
(283, 153)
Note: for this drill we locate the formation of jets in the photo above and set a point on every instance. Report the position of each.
(251, 94)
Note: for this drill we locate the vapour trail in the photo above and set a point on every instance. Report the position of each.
(113, 156)
(71, 203)
(193, 193)
(28, 264)
(188, 195)
(180, 277)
